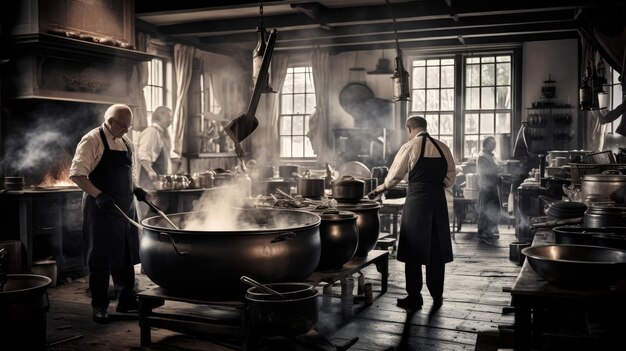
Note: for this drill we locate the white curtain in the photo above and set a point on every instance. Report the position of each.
(265, 141)
(140, 75)
(183, 66)
(319, 126)
(229, 84)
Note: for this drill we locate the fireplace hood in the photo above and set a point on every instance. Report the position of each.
(46, 66)
(80, 51)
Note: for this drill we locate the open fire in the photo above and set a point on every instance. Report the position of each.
(59, 178)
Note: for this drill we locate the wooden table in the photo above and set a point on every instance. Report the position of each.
(229, 319)
(394, 208)
(531, 294)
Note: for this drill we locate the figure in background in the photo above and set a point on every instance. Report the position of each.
(103, 168)
(425, 228)
(489, 205)
(154, 148)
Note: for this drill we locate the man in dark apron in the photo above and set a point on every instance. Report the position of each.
(103, 168)
(154, 148)
(425, 228)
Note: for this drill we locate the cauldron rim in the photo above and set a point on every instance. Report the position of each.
(168, 229)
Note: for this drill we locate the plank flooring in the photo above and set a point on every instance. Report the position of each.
(472, 309)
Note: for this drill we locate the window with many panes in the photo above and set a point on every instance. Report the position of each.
(487, 94)
(208, 102)
(297, 103)
(432, 92)
(615, 94)
(155, 91)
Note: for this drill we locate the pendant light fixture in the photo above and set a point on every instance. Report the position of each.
(400, 77)
(257, 53)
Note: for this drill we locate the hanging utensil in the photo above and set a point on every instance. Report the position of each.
(133, 222)
(256, 284)
(241, 127)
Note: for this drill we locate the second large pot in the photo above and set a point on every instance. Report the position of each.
(276, 245)
(340, 238)
(368, 224)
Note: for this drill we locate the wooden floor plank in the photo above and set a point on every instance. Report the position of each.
(473, 303)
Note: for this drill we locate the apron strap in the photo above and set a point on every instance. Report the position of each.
(104, 139)
(437, 146)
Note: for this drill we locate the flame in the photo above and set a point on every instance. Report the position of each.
(59, 177)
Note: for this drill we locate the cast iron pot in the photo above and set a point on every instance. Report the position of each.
(311, 187)
(348, 189)
(604, 216)
(340, 238)
(269, 315)
(367, 222)
(276, 245)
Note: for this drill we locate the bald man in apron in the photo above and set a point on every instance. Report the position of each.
(425, 228)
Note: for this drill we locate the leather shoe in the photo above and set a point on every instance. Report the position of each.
(128, 307)
(100, 315)
(409, 302)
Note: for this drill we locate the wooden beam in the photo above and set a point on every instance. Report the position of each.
(409, 26)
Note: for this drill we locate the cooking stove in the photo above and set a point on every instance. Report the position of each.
(48, 223)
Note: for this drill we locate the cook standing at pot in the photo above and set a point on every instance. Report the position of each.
(103, 167)
(425, 228)
(153, 151)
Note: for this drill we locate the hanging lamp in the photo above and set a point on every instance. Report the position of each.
(257, 53)
(400, 78)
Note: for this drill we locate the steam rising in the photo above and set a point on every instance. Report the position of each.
(220, 209)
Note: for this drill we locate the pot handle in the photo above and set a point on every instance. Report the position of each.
(178, 252)
(611, 172)
(284, 236)
(347, 177)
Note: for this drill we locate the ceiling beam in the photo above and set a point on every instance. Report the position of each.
(420, 10)
(413, 26)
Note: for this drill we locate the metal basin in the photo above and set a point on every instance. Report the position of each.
(577, 266)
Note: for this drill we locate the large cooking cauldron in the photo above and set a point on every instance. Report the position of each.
(368, 224)
(274, 245)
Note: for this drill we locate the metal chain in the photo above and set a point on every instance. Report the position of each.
(261, 24)
(395, 29)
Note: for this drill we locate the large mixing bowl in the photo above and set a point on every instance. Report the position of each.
(577, 266)
(272, 245)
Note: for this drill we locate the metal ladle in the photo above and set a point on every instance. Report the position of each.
(256, 284)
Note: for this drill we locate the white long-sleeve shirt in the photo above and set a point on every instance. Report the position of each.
(410, 152)
(151, 142)
(90, 149)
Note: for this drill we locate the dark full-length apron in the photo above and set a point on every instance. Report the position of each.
(425, 211)
(159, 166)
(109, 234)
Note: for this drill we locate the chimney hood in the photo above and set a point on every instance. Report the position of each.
(77, 51)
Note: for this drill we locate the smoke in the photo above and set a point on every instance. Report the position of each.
(222, 209)
(41, 137)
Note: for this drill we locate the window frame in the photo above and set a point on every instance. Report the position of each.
(459, 105)
(306, 115)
